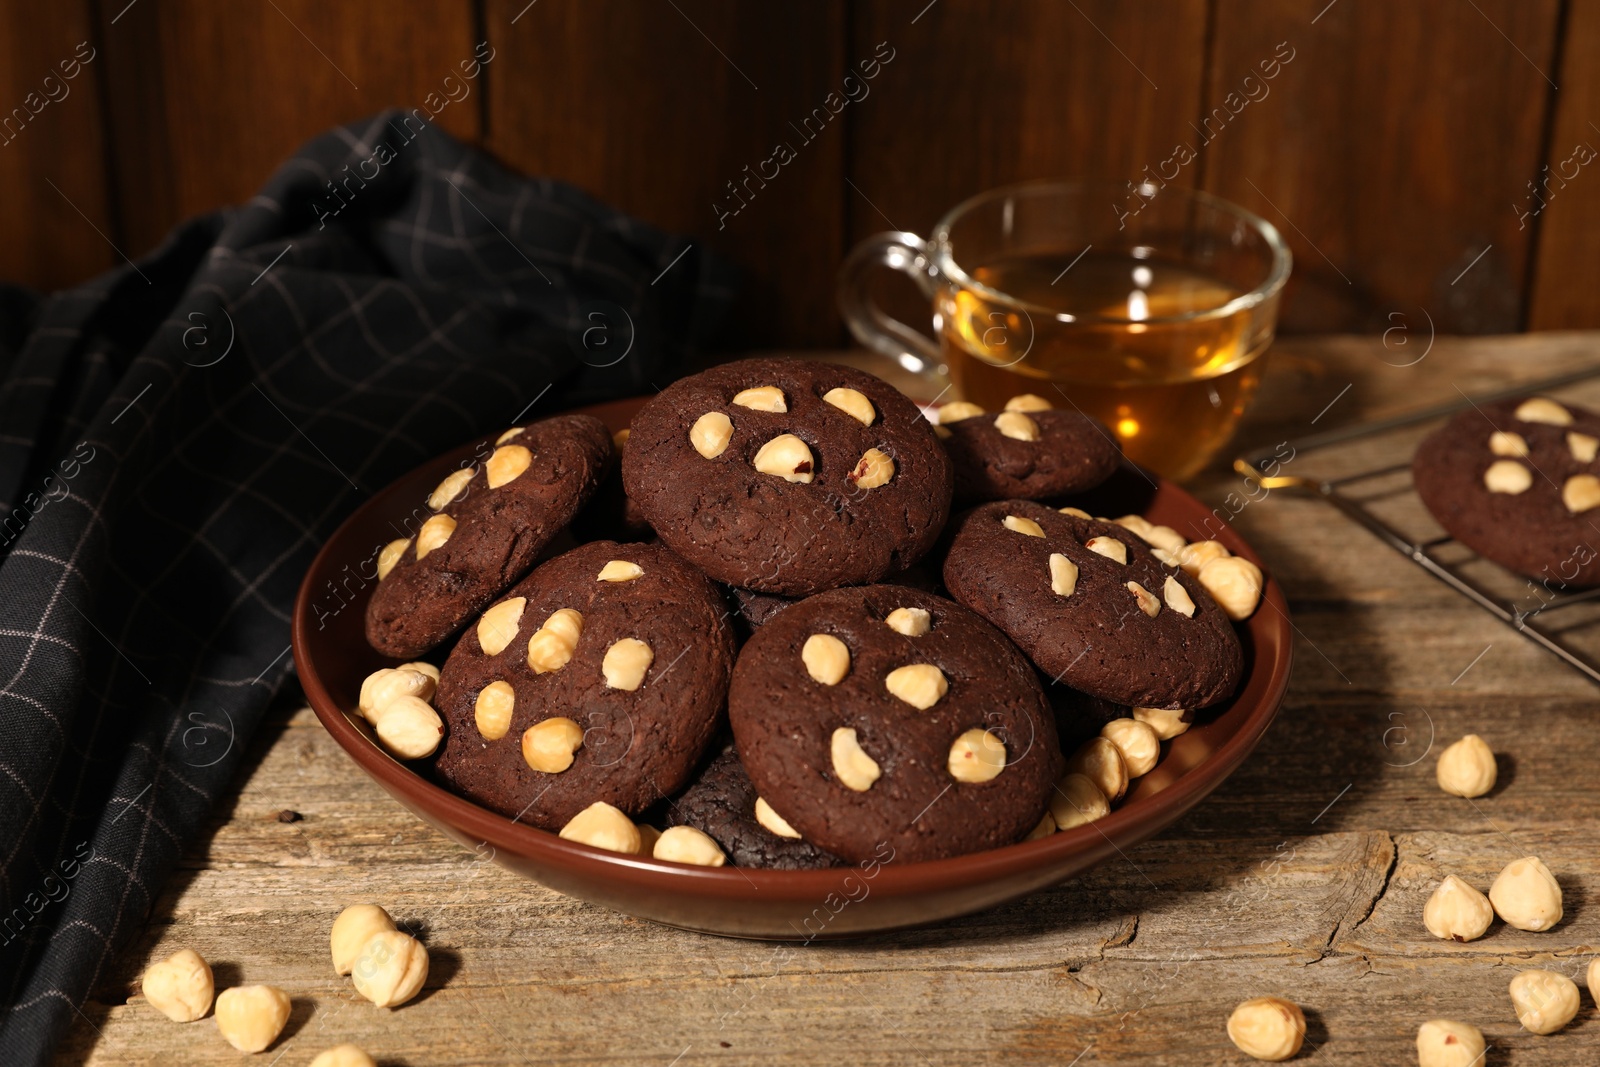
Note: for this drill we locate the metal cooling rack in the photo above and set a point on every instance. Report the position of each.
(1545, 622)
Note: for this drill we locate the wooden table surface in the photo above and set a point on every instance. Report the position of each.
(1303, 876)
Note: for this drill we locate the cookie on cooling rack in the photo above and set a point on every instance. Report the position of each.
(1026, 452)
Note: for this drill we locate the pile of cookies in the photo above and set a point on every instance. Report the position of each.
(793, 655)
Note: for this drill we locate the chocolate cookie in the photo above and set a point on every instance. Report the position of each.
(757, 608)
(1517, 481)
(485, 525)
(887, 717)
(722, 803)
(788, 477)
(1026, 452)
(1091, 605)
(601, 676)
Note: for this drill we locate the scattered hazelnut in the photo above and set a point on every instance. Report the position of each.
(1063, 575)
(1165, 538)
(1109, 547)
(957, 410)
(648, 836)
(390, 968)
(1583, 447)
(251, 1017)
(853, 767)
(1136, 742)
(1098, 760)
(1457, 912)
(976, 756)
(1507, 476)
(506, 465)
(1046, 826)
(619, 440)
(1541, 409)
(351, 930)
(710, 434)
(1510, 445)
(1077, 513)
(391, 555)
(940, 432)
(619, 570)
(827, 659)
(1017, 426)
(1592, 979)
(409, 728)
(1137, 523)
(785, 456)
(1076, 801)
(434, 533)
(1443, 1043)
(492, 710)
(1580, 493)
(549, 745)
(388, 684)
(450, 488)
(422, 667)
(1467, 768)
(1021, 525)
(1526, 895)
(1166, 722)
(685, 844)
(1027, 402)
(1267, 1028)
(1177, 597)
(602, 826)
(1146, 599)
(343, 1056)
(1544, 1000)
(1196, 554)
(626, 662)
(875, 468)
(922, 685)
(180, 986)
(1235, 584)
(498, 626)
(853, 403)
(773, 821)
(912, 622)
(515, 431)
(551, 646)
(762, 398)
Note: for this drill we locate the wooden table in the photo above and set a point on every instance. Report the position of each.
(1304, 876)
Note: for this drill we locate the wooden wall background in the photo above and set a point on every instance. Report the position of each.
(1394, 150)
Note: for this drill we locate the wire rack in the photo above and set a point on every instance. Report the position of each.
(1383, 500)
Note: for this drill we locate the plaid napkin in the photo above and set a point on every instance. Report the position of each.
(178, 437)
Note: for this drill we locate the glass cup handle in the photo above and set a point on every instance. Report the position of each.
(887, 336)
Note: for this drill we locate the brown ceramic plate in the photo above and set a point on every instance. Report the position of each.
(332, 657)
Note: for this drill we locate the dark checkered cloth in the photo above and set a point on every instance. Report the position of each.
(179, 437)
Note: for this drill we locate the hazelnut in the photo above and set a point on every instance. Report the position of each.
(1045, 827)
(1017, 426)
(1196, 554)
(957, 410)
(498, 626)
(976, 756)
(1510, 445)
(773, 821)
(1443, 1043)
(1583, 447)
(391, 555)
(1580, 493)
(625, 664)
(1109, 547)
(1165, 538)
(551, 646)
(1177, 597)
(409, 728)
(180, 986)
(435, 532)
(549, 745)
(492, 710)
(251, 1017)
(922, 685)
(785, 456)
(912, 622)
(852, 403)
(506, 465)
(422, 668)
(685, 844)
(343, 1056)
(388, 684)
(1137, 523)
(450, 488)
(1166, 722)
(1146, 599)
(351, 930)
(1235, 584)
(875, 468)
(1076, 801)
(1457, 912)
(515, 431)
(827, 659)
(1592, 979)
(1541, 409)
(1063, 575)
(565, 623)
(710, 434)
(1544, 1000)
(619, 570)
(1526, 895)
(1136, 742)
(853, 767)
(1098, 760)
(648, 836)
(1507, 476)
(602, 826)
(940, 432)
(1467, 768)
(619, 440)
(762, 398)
(1077, 513)
(1267, 1028)
(1021, 525)
(390, 968)
(1027, 402)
